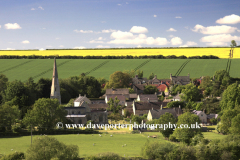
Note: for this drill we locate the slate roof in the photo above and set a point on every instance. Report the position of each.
(182, 79)
(76, 116)
(197, 112)
(134, 95)
(146, 97)
(140, 86)
(82, 98)
(128, 104)
(157, 113)
(135, 80)
(210, 116)
(119, 96)
(99, 106)
(117, 91)
(149, 105)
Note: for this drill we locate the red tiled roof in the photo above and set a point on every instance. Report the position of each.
(162, 88)
(156, 85)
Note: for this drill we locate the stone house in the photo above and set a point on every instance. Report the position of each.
(156, 113)
(201, 115)
(81, 99)
(141, 108)
(118, 91)
(147, 98)
(180, 80)
(120, 97)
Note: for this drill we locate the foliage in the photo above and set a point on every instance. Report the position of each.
(105, 156)
(176, 104)
(139, 73)
(3, 85)
(70, 103)
(185, 134)
(150, 89)
(190, 93)
(151, 76)
(13, 156)
(210, 105)
(49, 147)
(115, 116)
(166, 119)
(177, 89)
(8, 115)
(230, 97)
(45, 114)
(118, 80)
(182, 152)
(131, 90)
(126, 113)
(235, 127)
(156, 150)
(137, 119)
(113, 105)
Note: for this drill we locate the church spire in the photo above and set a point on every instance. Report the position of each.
(55, 88)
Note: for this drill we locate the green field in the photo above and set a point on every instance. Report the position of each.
(133, 142)
(22, 69)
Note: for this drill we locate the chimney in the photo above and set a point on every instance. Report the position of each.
(112, 88)
(204, 111)
(171, 76)
(79, 95)
(188, 75)
(155, 76)
(136, 76)
(148, 100)
(155, 93)
(213, 77)
(161, 106)
(152, 108)
(179, 106)
(178, 92)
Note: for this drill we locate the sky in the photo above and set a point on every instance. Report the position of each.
(62, 24)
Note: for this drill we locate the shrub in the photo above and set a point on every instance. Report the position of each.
(49, 147)
(173, 138)
(156, 150)
(13, 156)
(181, 152)
(105, 156)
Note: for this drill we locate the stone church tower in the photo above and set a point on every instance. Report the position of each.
(55, 88)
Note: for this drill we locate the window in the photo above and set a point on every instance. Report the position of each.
(201, 115)
(79, 112)
(72, 112)
(101, 118)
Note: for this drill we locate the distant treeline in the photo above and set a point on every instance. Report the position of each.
(108, 57)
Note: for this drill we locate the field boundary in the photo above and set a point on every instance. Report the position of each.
(97, 67)
(51, 69)
(15, 66)
(142, 64)
(181, 67)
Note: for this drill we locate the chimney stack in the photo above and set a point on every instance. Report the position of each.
(188, 75)
(136, 76)
(148, 100)
(79, 95)
(84, 95)
(152, 108)
(161, 106)
(179, 106)
(155, 76)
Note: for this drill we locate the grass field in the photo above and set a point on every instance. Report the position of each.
(22, 69)
(220, 52)
(133, 142)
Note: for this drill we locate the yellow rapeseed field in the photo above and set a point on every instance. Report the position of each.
(220, 52)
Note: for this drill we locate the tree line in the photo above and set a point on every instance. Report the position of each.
(107, 57)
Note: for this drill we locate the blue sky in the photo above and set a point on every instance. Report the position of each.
(46, 24)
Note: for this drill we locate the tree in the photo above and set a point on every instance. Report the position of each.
(45, 114)
(119, 80)
(230, 97)
(50, 148)
(44, 87)
(190, 93)
(166, 119)
(113, 105)
(233, 44)
(235, 127)
(150, 89)
(140, 73)
(185, 134)
(8, 115)
(151, 76)
(3, 85)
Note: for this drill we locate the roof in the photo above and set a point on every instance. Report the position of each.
(82, 98)
(149, 105)
(117, 91)
(197, 112)
(134, 95)
(146, 97)
(140, 86)
(162, 88)
(178, 96)
(128, 104)
(157, 113)
(210, 116)
(76, 116)
(182, 79)
(98, 102)
(119, 96)
(141, 80)
(74, 108)
(98, 106)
